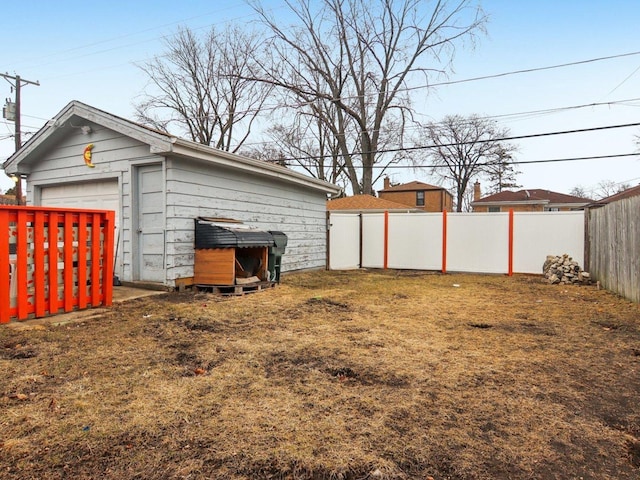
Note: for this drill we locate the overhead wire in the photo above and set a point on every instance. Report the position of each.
(519, 162)
(506, 115)
(132, 34)
(535, 69)
(624, 81)
(454, 144)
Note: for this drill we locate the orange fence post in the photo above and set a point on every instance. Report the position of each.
(107, 257)
(68, 262)
(95, 260)
(510, 242)
(54, 304)
(444, 241)
(38, 263)
(5, 268)
(82, 260)
(21, 265)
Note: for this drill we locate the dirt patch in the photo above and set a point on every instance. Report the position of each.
(17, 349)
(327, 304)
(332, 375)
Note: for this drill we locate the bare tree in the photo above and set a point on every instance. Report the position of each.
(309, 144)
(501, 172)
(606, 188)
(200, 87)
(464, 148)
(350, 63)
(580, 191)
(267, 152)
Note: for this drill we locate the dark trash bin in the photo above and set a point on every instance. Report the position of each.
(275, 254)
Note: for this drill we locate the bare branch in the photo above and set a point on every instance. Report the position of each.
(466, 148)
(199, 87)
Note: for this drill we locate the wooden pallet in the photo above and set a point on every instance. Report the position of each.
(235, 289)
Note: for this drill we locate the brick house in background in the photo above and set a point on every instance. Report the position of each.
(530, 200)
(422, 196)
(366, 203)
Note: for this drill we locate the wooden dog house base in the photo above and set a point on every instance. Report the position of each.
(235, 289)
(221, 266)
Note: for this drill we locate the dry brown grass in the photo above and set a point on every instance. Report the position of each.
(332, 375)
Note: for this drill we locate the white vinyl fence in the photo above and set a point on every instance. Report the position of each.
(461, 242)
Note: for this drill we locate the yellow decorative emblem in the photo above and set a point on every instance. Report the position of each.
(87, 155)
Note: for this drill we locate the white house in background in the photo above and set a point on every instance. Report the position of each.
(158, 184)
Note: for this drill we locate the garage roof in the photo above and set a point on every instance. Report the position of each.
(160, 143)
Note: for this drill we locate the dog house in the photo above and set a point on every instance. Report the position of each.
(228, 253)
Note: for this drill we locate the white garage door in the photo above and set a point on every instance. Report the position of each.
(99, 195)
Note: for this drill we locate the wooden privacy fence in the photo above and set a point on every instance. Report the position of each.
(505, 242)
(614, 247)
(54, 260)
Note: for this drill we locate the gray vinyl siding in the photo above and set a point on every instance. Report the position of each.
(196, 189)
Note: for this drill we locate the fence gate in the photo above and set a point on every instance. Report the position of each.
(55, 260)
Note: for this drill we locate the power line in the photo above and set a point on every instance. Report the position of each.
(501, 139)
(563, 109)
(420, 87)
(624, 81)
(497, 116)
(573, 159)
(536, 69)
(133, 34)
(548, 111)
(25, 126)
(505, 74)
(522, 162)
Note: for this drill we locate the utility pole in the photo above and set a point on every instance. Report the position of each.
(19, 82)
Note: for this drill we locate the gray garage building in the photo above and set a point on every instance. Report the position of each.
(158, 184)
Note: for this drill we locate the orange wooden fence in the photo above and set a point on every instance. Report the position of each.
(54, 260)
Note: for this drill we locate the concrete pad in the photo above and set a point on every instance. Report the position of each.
(120, 294)
(124, 293)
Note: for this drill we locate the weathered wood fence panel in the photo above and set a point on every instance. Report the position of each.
(614, 247)
(54, 260)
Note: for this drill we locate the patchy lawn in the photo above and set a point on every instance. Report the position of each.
(332, 375)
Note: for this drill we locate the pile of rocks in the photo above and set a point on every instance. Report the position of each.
(564, 270)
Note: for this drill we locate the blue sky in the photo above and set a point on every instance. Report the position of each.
(87, 51)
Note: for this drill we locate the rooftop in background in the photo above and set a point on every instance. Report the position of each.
(532, 195)
(628, 193)
(529, 200)
(410, 187)
(365, 202)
